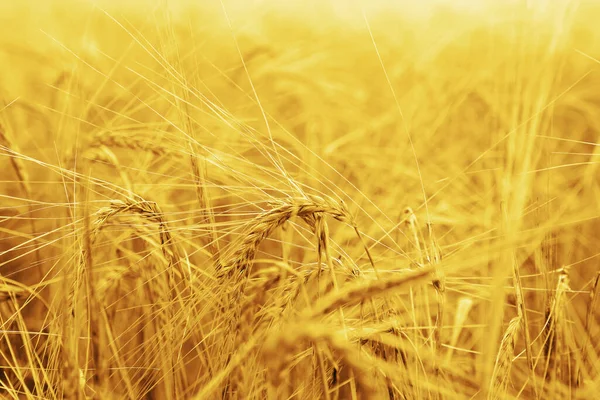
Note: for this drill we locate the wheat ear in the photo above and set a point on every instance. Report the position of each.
(264, 224)
(501, 373)
(588, 322)
(126, 140)
(358, 292)
(161, 292)
(23, 177)
(207, 216)
(288, 340)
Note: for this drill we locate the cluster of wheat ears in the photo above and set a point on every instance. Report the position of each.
(303, 199)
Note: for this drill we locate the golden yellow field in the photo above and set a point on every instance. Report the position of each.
(309, 199)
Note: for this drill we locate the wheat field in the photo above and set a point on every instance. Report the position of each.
(309, 199)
